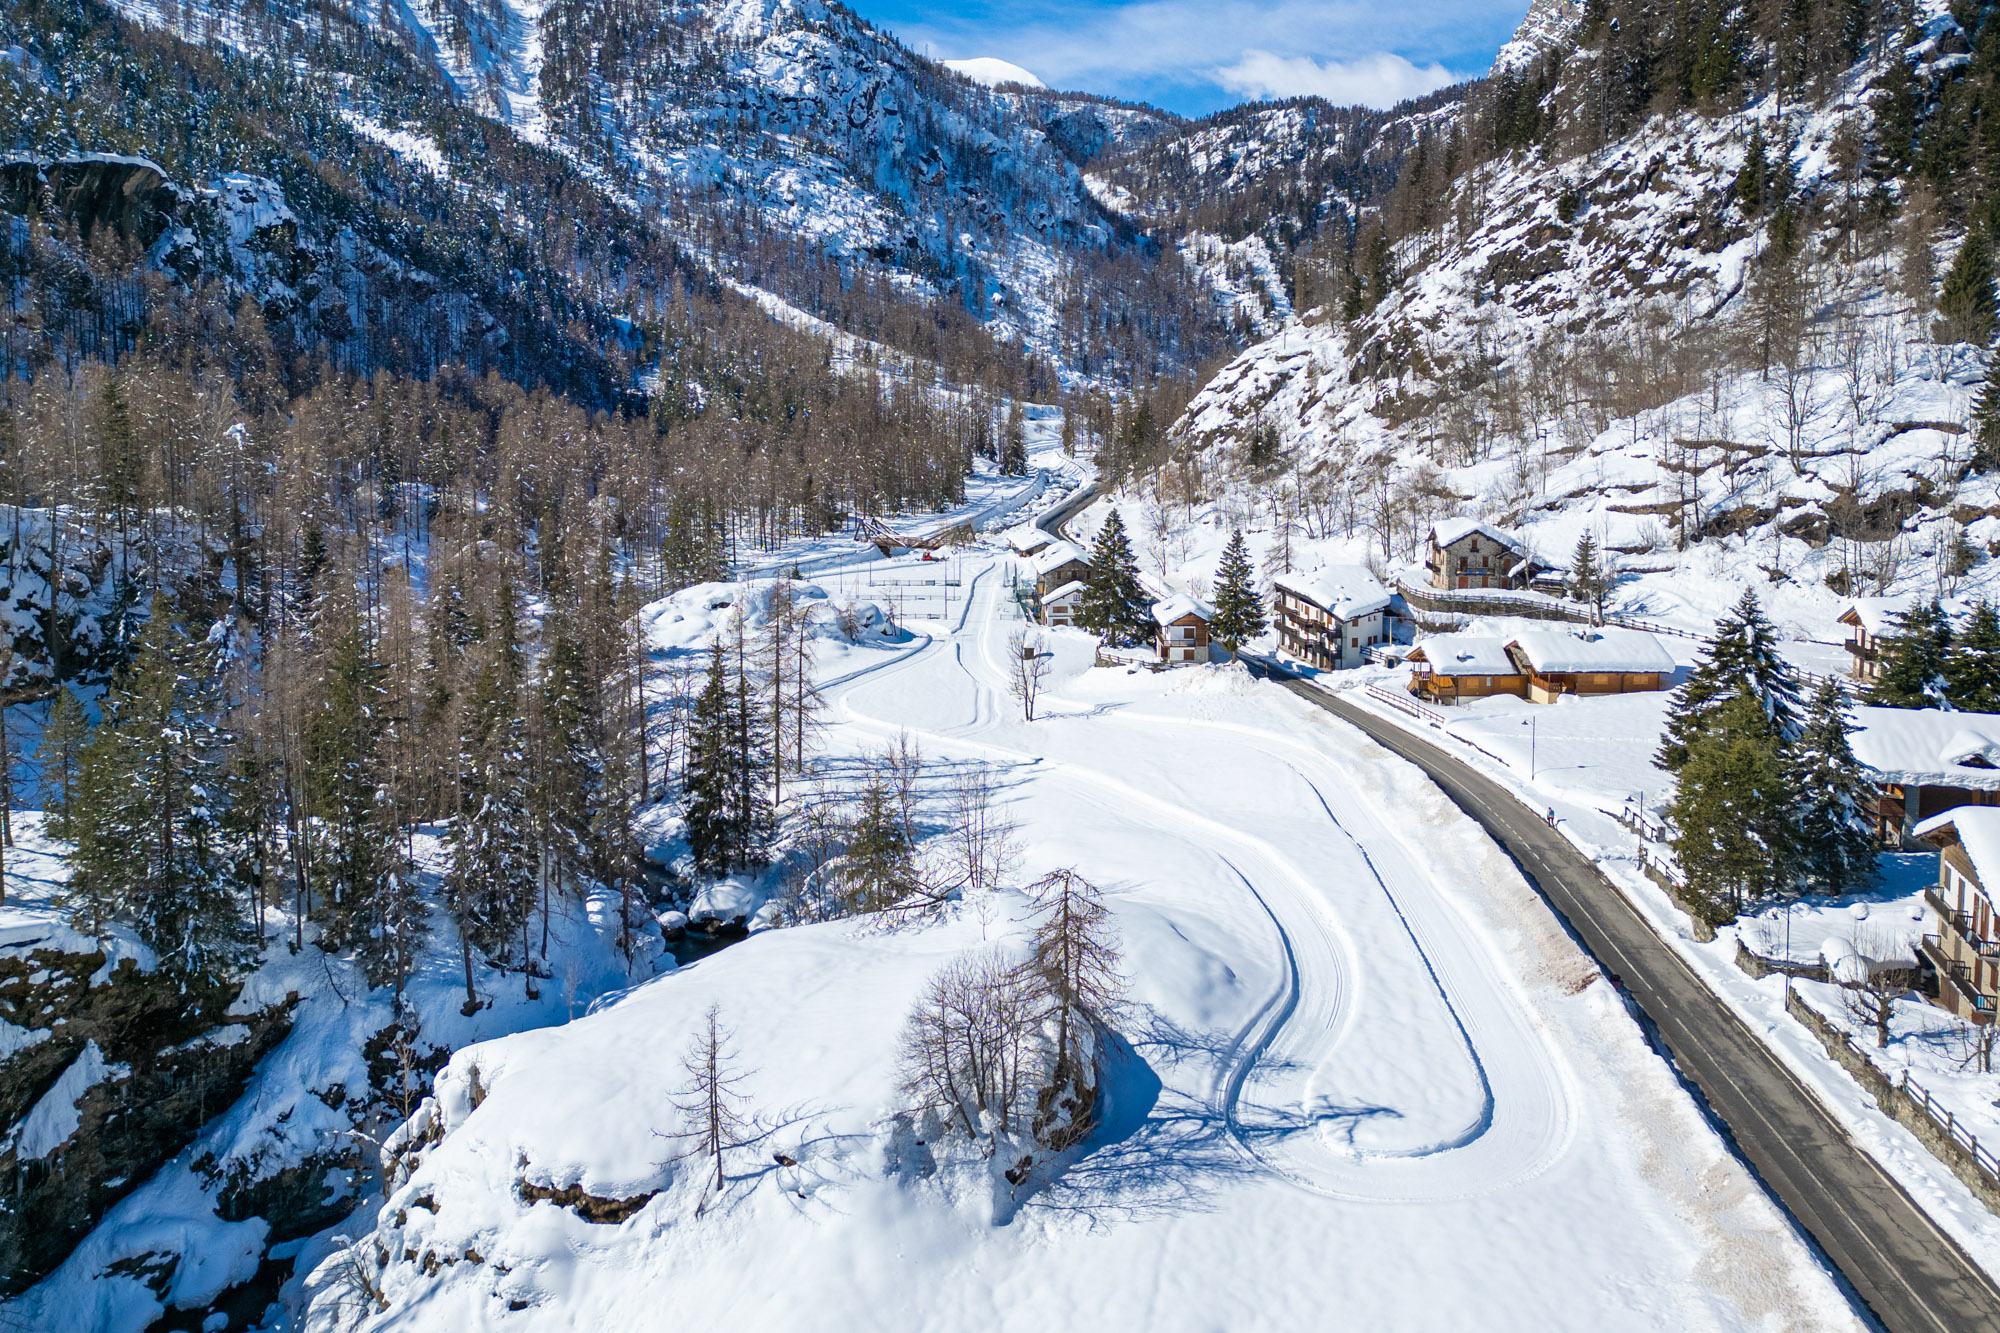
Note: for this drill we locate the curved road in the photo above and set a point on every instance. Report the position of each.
(1912, 1276)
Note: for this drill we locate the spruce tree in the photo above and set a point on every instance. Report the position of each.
(1965, 304)
(1114, 605)
(1986, 420)
(1732, 810)
(56, 755)
(878, 866)
(1014, 451)
(1914, 659)
(1752, 180)
(1588, 583)
(710, 778)
(1833, 833)
(1239, 611)
(750, 814)
(1741, 653)
(571, 770)
(146, 814)
(1972, 664)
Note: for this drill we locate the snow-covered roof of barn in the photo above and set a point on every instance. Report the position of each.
(1978, 830)
(1447, 531)
(1593, 650)
(1929, 747)
(1466, 655)
(1027, 539)
(1058, 555)
(1346, 591)
(1180, 607)
(1070, 589)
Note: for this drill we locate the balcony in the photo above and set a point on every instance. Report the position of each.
(1867, 653)
(1981, 1005)
(1961, 926)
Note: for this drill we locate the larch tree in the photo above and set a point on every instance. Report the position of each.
(712, 1099)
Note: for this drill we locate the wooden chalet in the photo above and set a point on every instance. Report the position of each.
(1465, 553)
(1595, 661)
(1451, 668)
(1925, 761)
(1331, 617)
(1181, 629)
(1959, 959)
(1060, 563)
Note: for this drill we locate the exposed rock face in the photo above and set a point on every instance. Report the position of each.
(94, 191)
(118, 1071)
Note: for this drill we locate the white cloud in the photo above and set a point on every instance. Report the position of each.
(1379, 80)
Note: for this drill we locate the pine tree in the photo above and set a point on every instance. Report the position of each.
(1741, 653)
(1239, 611)
(1965, 304)
(1914, 658)
(1986, 420)
(147, 811)
(1114, 605)
(57, 754)
(710, 778)
(1588, 582)
(1972, 664)
(1753, 179)
(1732, 810)
(879, 868)
(1832, 831)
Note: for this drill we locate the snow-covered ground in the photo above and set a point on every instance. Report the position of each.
(1363, 1069)
(1585, 758)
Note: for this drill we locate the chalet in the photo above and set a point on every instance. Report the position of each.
(1450, 668)
(1465, 553)
(1182, 633)
(1960, 960)
(1869, 620)
(1331, 617)
(1060, 605)
(1925, 761)
(1060, 563)
(1028, 540)
(1597, 661)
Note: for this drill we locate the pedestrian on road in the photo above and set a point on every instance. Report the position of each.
(1551, 816)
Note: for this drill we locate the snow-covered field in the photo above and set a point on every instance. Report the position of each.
(1363, 1070)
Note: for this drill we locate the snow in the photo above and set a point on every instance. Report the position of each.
(1179, 606)
(1073, 587)
(1450, 531)
(50, 1122)
(1353, 1030)
(417, 149)
(1058, 555)
(1466, 655)
(1978, 831)
(1929, 746)
(993, 72)
(1593, 650)
(1345, 591)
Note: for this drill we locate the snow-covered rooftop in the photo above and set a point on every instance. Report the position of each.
(1978, 830)
(1346, 591)
(1929, 747)
(1058, 555)
(1448, 530)
(1070, 589)
(1875, 614)
(1027, 538)
(1181, 606)
(1466, 655)
(1593, 650)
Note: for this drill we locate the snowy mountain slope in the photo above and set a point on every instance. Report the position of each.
(1374, 1089)
(1604, 343)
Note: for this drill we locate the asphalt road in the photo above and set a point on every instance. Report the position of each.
(1913, 1277)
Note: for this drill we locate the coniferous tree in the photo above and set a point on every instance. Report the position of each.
(1588, 582)
(1832, 831)
(1914, 658)
(1114, 605)
(1741, 653)
(1986, 420)
(1732, 809)
(147, 811)
(710, 780)
(1754, 178)
(1014, 452)
(879, 866)
(1965, 303)
(57, 755)
(1972, 664)
(570, 772)
(750, 814)
(1239, 611)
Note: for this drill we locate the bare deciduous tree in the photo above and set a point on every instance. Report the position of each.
(1872, 988)
(1075, 954)
(712, 1099)
(982, 833)
(1028, 666)
(967, 1049)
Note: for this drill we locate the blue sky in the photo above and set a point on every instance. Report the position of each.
(1196, 56)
